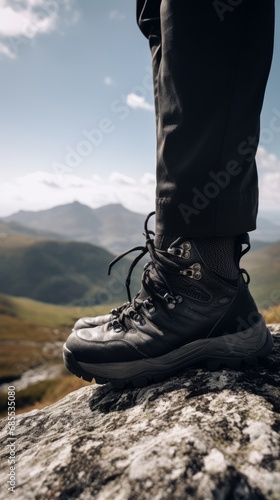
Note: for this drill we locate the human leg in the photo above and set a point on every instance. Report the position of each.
(210, 75)
(188, 309)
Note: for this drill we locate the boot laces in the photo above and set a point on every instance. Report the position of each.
(155, 281)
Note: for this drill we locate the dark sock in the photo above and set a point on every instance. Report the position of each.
(217, 252)
(219, 255)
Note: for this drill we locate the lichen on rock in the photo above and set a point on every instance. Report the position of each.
(203, 435)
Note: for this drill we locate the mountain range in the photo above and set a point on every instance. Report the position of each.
(38, 261)
(61, 272)
(112, 226)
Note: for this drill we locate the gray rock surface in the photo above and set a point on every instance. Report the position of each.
(203, 435)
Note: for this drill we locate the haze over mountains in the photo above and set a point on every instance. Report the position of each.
(13, 227)
(111, 226)
(46, 255)
(61, 272)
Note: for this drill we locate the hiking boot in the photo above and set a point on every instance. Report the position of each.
(184, 313)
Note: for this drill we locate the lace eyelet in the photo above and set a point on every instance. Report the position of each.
(179, 299)
(149, 306)
(135, 316)
(171, 301)
(182, 251)
(196, 267)
(117, 326)
(193, 272)
(171, 305)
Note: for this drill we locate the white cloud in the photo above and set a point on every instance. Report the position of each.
(40, 190)
(149, 179)
(26, 21)
(267, 160)
(138, 102)
(116, 15)
(269, 179)
(6, 51)
(270, 191)
(108, 80)
(118, 178)
(21, 22)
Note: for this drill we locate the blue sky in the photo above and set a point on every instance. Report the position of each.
(69, 69)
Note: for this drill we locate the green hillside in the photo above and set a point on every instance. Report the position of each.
(67, 272)
(31, 338)
(26, 326)
(263, 266)
(60, 272)
(13, 227)
(45, 315)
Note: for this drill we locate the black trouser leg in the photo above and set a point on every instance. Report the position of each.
(211, 65)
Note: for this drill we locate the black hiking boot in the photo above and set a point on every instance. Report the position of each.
(184, 313)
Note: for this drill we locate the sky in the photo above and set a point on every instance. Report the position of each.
(76, 108)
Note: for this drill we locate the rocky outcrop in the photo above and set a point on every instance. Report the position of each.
(203, 435)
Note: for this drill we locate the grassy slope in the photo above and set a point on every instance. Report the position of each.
(25, 328)
(40, 313)
(263, 266)
(60, 272)
(272, 315)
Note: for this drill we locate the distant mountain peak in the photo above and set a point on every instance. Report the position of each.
(76, 204)
(112, 226)
(113, 207)
(73, 205)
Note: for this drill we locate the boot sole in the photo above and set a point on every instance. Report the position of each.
(228, 350)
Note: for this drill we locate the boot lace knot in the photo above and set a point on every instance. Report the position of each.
(155, 283)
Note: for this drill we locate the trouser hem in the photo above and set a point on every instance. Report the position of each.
(216, 219)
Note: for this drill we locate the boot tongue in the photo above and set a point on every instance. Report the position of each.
(142, 294)
(164, 242)
(150, 277)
